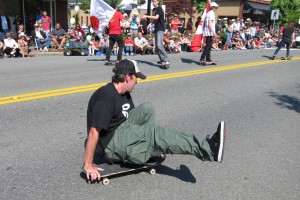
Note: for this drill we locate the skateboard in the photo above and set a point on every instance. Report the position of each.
(204, 63)
(163, 66)
(120, 168)
(286, 58)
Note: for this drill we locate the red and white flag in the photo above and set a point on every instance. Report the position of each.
(100, 14)
(198, 37)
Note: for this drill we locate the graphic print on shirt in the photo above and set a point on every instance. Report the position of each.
(125, 109)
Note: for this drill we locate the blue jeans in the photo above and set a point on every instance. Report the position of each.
(128, 49)
(103, 49)
(228, 38)
(2, 34)
(283, 42)
(159, 48)
(39, 41)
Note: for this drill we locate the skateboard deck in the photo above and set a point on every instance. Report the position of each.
(204, 63)
(281, 58)
(163, 66)
(120, 168)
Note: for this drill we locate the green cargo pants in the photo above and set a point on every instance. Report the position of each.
(138, 139)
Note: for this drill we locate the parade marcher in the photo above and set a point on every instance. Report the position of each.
(286, 40)
(120, 132)
(209, 32)
(159, 31)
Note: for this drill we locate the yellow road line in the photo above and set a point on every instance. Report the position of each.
(91, 87)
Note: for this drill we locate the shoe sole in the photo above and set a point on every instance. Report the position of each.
(222, 142)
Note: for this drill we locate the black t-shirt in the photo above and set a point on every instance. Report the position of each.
(144, 26)
(107, 109)
(160, 22)
(287, 33)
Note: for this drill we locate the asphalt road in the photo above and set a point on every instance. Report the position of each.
(41, 145)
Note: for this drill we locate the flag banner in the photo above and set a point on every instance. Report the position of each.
(100, 14)
(198, 36)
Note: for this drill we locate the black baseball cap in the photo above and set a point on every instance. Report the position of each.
(128, 67)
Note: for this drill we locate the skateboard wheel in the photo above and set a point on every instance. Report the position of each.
(152, 171)
(68, 52)
(105, 181)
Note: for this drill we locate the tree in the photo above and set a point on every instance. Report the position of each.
(199, 4)
(289, 10)
(180, 7)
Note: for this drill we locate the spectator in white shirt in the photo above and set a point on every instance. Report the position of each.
(11, 46)
(140, 44)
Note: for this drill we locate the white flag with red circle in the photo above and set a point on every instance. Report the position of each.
(100, 14)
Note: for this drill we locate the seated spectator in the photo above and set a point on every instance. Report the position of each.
(238, 41)
(77, 33)
(23, 45)
(96, 45)
(129, 44)
(140, 44)
(1, 48)
(177, 45)
(151, 45)
(40, 37)
(166, 40)
(58, 36)
(186, 42)
(215, 45)
(104, 43)
(11, 48)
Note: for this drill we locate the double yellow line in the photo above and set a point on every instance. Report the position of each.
(91, 87)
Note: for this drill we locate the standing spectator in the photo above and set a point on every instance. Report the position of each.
(39, 17)
(104, 42)
(159, 21)
(143, 26)
(189, 26)
(134, 11)
(46, 23)
(209, 32)
(140, 44)
(58, 36)
(4, 24)
(125, 25)
(197, 22)
(40, 37)
(151, 27)
(218, 26)
(129, 44)
(175, 24)
(17, 21)
(286, 40)
(11, 46)
(134, 25)
(115, 35)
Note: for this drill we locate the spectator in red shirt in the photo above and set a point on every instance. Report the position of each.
(46, 22)
(175, 24)
(78, 33)
(129, 43)
(115, 35)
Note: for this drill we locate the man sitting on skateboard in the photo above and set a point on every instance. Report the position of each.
(122, 132)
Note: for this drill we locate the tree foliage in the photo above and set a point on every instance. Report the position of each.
(199, 4)
(289, 10)
(180, 7)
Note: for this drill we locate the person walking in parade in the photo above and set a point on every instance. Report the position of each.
(159, 31)
(209, 32)
(286, 40)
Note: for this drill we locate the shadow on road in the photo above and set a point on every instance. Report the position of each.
(183, 173)
(147, 63)
(189, 61)
(267, 56)
(286, 101)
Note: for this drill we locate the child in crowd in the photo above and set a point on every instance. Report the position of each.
(151, 45)
(129, 43)
(177, 45)
(23, 45)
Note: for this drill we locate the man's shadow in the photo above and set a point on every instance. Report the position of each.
(269, 57)
(189, 61)
(182, 172)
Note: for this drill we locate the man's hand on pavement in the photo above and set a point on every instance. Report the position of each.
(92, 172)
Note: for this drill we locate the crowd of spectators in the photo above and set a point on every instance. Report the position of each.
(235, 34)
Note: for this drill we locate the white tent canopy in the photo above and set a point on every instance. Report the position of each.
(125, 4)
